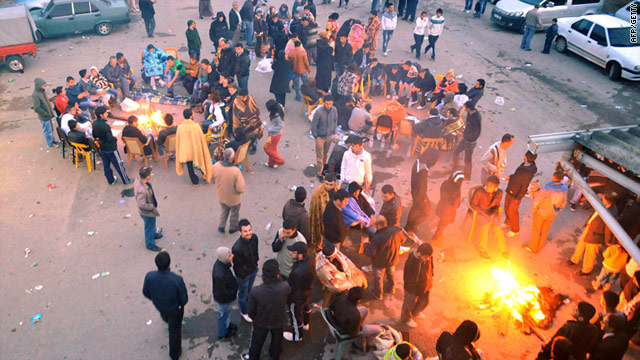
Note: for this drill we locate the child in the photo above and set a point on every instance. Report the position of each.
(552, 31)
(615, 258)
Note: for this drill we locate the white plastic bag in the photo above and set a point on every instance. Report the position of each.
(264, 66)
(128, 105)
(499, 101)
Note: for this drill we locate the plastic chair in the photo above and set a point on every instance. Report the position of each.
(242, 154)
(63, 140)
(426, 143)
(210, 138)
(82, 149)
(169, 147)
(342, 340)
(136, 147)
(307, 103)
(173, 52)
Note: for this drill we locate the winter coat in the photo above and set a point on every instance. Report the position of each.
(301, 277)
(324, 60)
(418, 275)
(299, 61)
(191, 146)
(279, 246)
(389, 20)
(267, 303)
(551, 199)
(165, 289)
(234, 20)
(245, 257)
(146, 9)
(242, 66)
(343, 54)
(584, 336)
(229, 183)
(247, 11)
(295, 211)
(346, 315)
(153, 62)
(193, 39)
(225, 285)
(41, 104)
(449, 201)
(473, 127)
(430, 127)
(392, 210)
(145, 198)
(337, 281)
(324, 122)
(385, 247)
(335, 230)
(597, 232)
(218, 29)
(227, 61)
(280, 79)
(519, 181)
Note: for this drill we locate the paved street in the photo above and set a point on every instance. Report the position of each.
(108, 318)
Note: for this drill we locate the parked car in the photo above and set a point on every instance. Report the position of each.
(511, 13)
(33, 4)
(624, 12)
(65, 17)
(16, 23)
(604, 40)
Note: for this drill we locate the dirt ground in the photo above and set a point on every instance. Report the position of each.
(108, 318)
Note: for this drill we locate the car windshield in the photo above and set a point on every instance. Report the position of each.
(531, 2)
(621, 37)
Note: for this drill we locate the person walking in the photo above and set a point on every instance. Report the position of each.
(494, 159)
(247, 15)
(225, 291)
(384, 251)
(448, 204)
(300, 67)
(532, 22)
(418, 33)
(148, 208)
(436, 25)
(229, 188)
(550, 35)
(294, 210)
(517, 186)
(470, 137)
(43, 109)
(267, 303)
(274, 130)
(245, 265)
(194, 44)
(323, 127)
(410, 12)
(286, 236)
(418, 279)
(485, 203)
(192, 149)
(148, 15)
(108, 147)
(389, 24)
(204, 9)
(169, 295)
(420, 208)
(300, 280)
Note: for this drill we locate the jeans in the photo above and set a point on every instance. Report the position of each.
(149, 231)
(196, 92)
(468, 4)
(248, 32)
(259, 336)
(381, 274)
(123, 85)
(529, 30)
(322, 151)
(417, 46)
(547, 44)
(169, 77)
(224, 319)
(113, 158)
(243, 82)
(244, 286)
(511, 211)
(483, 6)
(413, 305)
(297, 83)
(174, 319)
(150, 25)
(410, 13)
(432, 46)
(386, 36)
(233, 220)
(196, 52)
(47, 130)
(468, 148)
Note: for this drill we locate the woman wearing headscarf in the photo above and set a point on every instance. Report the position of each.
(332, 27)
(204, 8)
(280, 80)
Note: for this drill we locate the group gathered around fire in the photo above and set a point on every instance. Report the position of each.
(309, 248)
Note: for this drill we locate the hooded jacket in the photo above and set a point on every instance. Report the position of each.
(430, 127)
(193, 38)
(392, 210)
(242, 64)
(296, 211)
(418, 275)
(389, 20)
(41, 104)
(267, 302)
(219, 29)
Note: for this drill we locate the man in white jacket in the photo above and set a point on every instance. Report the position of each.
(418, 33)
(389, 23)
(436, 24)
(356, 166)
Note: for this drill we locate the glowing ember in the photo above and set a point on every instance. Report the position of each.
(151, 122)
(522, 301)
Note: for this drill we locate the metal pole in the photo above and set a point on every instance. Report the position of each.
(609, 219)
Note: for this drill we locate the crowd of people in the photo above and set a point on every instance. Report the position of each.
(309, 247)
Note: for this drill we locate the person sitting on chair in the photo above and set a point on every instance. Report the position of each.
(431, 127)
(310, 90)
(74, 113)
(132, 130)
(354, 215)
(77, 134)
(485, 202)
(349, 317)
(216, 115)
(169, 130)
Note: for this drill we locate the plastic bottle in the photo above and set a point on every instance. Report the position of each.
(268, 225)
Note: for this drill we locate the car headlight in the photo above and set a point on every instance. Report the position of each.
(637, 67)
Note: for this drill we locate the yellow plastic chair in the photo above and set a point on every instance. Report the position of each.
(308, 104)
(242, 154)
(169, 148)
(135, 147)
(210, 138)
(82, 149)
(173, 52)
(427, 143)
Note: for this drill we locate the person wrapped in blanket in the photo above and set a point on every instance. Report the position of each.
(154, 61)
(358, 210)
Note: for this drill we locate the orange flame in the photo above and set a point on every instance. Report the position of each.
(150, 122)
(521, 300)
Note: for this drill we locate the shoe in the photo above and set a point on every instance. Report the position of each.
(421, 316)
(233, 231)
(505, 255)
(158, 230)
(115, 180)
(246, 318)
(388, 96)
(595, 285)
(527, 49)
(584, 274)
(433, 58)
(420, 107)
(412, 324)
(158, 236)
(485, 256)
(467, 11)
(156, 248)
(526, 247)
(305, 327)
(511, 234)
(287, 335)
(571, 263)
(572, 207)
(245, 356)
(231, 331)
(386, 53)
(221, 230)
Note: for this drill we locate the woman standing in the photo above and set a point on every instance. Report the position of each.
(274, 129)
(204, 9)
(418, 33)
(324, 62)
(280, 80)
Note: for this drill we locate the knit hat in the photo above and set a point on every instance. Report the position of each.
(93, 68)
(190, 22)
(457, 175)
(586, 310)
(223, 253)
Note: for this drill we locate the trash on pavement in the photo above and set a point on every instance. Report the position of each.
(122, 201)
(105, 274)
(36, 318)
(292, 188)
(51, 186)
(499, 101)
(127, 216)
(149, 322)
(513, 109)
(38, 287)
(508, 68)
(268, 225)
(91, 233)
(95, 276)
(583, 106)
(69, 243)
(26, 252)
(34, 264)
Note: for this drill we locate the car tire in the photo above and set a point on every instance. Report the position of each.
(561, 44)
(615, 71)
(39, 36)
(104, 29)
(14, 63)
(522, 27)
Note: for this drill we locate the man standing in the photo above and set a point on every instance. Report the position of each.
(516, 190)
(246, 13)
(147, 12)
(148, 208)
(286, 236)
(194, 44)
(385, 254)
(389, 24)
(108, 147)
(169, 295)
(420, 207)
(242, 66)
(294, 210)
(335, 230)
(300, 280)
(225, 289)
(267, 307)
(550, 35)
(235, 19)
(191, 149)
(532, 22)
(418, 278)
(300, 67)
(595, 234)
(494, 159)
(319, 201)
(42, 107)
(343, 54)
(448, 204)
(356, 165)
(245, 264)
(469, 138)
(323, 127)
(229, 188)
(436, 24)
(485, 203)
(391, 206)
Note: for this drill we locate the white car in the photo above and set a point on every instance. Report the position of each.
(624, 12)
(604, 40)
